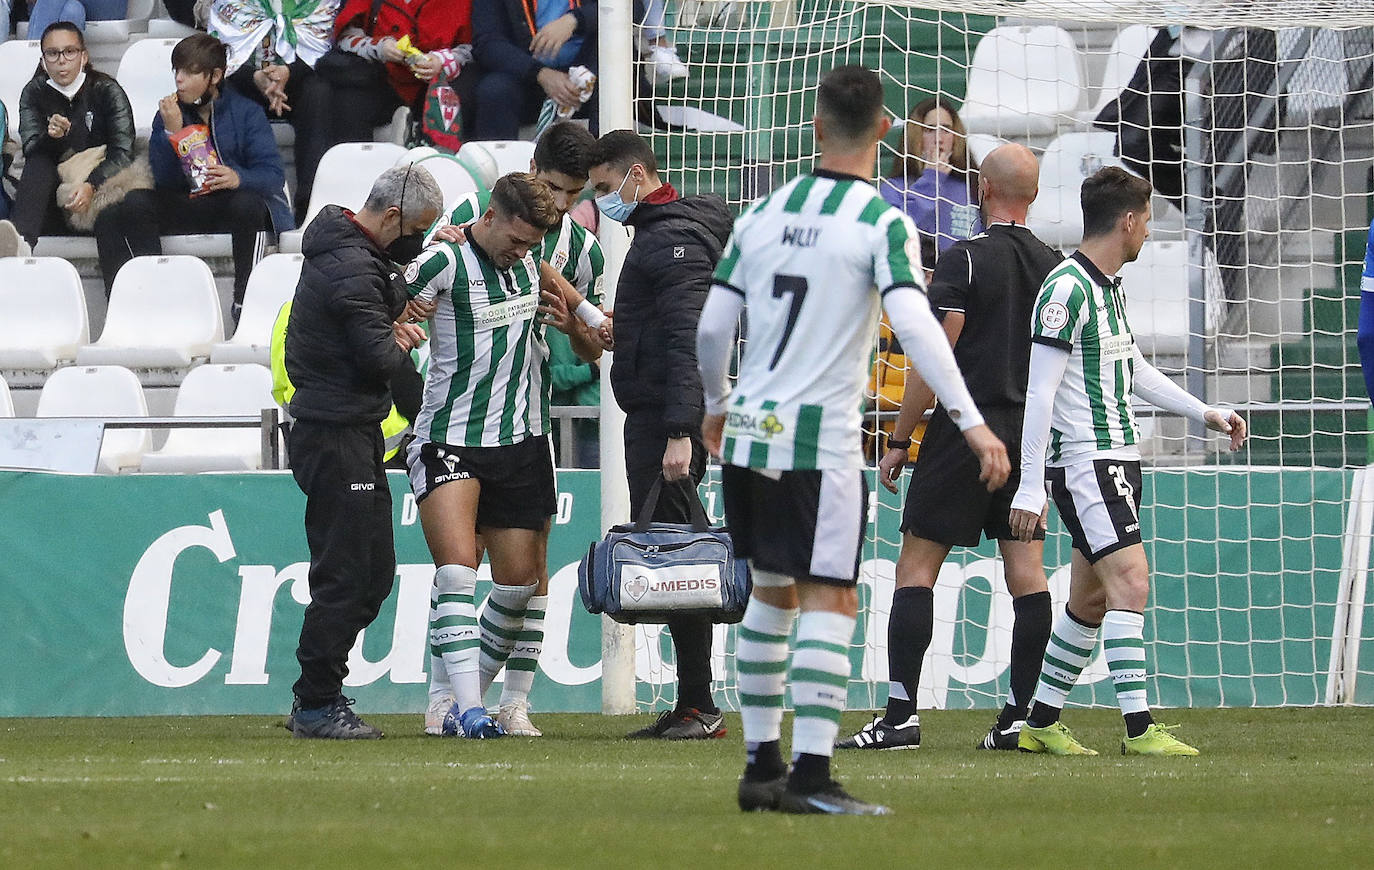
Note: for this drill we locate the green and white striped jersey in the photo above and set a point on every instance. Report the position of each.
(488, 380)
(1084, 312)
(569, 247)
(811, 261)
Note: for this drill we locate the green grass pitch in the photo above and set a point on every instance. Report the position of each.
(1273, 788)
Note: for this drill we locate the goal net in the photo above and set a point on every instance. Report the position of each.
(1253, 122)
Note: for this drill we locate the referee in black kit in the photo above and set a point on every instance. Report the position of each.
(344, 348)
(983, 292)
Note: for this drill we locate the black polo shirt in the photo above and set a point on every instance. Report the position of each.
(993, 279)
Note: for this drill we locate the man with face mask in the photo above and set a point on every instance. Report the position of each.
(343, 347)
(663, 285)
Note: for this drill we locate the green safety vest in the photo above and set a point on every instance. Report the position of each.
(394, 427)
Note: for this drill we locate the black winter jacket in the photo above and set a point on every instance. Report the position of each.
(340, 352)
(663, 285)
(100, 115)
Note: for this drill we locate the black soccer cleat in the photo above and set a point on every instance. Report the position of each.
(999, 739)
(831, 800)
(688, 723)
(756, 796)
(880, 735)
(334, 721)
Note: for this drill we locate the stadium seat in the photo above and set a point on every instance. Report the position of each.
(100, 391)
(115, 31)
(215, 390)
(980, 145)
(164, 312)
(1056, 216)
(1023, 81)
(488, 161)
(454, 178)
(18, 62)
(44, 307)
(345, 178)
(1157, 297)
(1128, 48)
(145, 73)
(272, 283)
(6, 401)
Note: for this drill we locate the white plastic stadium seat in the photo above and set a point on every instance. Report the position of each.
(114, 30)
(214, 390)
(18, 63)
(1157, 286)
(1128, 49)
(272, 283)
(164, 312)
(145, 73)
(1023, 81)
(344, 177)
(1056, 216)
(44, 313)
(980, 145)
(100, 391)
(453, 177)
(6, 401)
(490, 160)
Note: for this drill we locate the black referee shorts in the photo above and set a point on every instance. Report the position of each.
(945, 500)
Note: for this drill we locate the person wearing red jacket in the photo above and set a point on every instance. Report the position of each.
(441, 29)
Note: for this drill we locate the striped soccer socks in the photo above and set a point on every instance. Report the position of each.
(524, 657)
(499, 625)
(1067, 654)
(761, 656)
(820, 688)
(453, 636)
(1123, 644)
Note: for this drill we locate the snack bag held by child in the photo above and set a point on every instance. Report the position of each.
(197, 153)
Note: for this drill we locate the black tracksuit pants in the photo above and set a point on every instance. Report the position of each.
(352, 551)
(645, 440)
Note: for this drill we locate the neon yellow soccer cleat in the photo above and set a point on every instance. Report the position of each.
(1157, 740)
(1053, 739)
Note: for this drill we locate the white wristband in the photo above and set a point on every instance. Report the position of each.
(590, 314)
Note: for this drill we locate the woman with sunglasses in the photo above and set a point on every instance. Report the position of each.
(66, 108)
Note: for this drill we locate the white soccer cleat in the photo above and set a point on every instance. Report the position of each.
(514, 718)
(440, 720)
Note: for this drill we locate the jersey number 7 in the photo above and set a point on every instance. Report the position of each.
(795, 286)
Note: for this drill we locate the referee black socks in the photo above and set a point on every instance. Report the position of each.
(909, 629)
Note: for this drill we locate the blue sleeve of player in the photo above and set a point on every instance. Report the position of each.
(1366, 333)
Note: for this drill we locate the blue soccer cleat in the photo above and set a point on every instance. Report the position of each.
(477, 724)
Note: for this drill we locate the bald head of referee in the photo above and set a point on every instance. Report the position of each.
(1008, 181)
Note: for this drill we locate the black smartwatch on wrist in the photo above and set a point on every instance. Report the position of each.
(898, 443)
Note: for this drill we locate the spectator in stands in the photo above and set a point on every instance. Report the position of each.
(66, 108)
(372, 76)
(272, 62)
(524, 50)
(46, 12)
(242, 186)
(6, 13)
(932, 179)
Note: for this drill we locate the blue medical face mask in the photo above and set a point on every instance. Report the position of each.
(613, 206)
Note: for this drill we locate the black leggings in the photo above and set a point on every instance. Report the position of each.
(133, 227)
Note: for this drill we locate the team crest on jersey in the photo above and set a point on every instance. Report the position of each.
(1054, 315)
(412, 271)
(560, 259)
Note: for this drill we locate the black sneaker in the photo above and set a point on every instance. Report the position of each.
(762, 794)
(334, 721)
(688, 723)
(880, 735)
(831, 800)
(999, 739)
